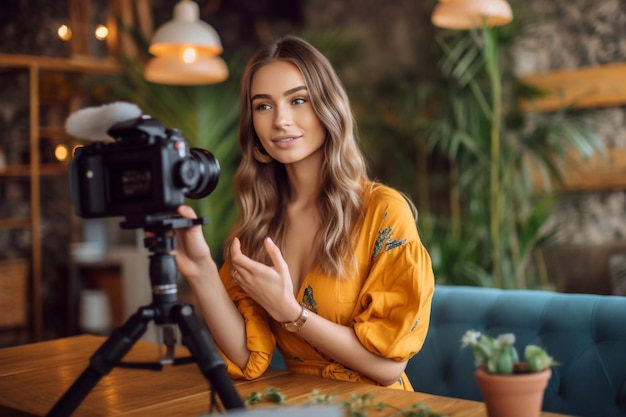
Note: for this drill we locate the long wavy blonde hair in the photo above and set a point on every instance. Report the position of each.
(263, 189)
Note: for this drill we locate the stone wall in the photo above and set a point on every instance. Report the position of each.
(392, 37)
(569, 35)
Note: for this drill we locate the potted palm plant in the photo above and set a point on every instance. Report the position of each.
(471, 157)
(510, 387)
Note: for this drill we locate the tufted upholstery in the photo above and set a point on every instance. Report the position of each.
(585, 333)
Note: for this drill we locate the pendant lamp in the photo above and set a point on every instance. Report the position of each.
(468, 14)
(186, 50)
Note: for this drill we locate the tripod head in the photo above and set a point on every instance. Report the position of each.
(160, 222)
(161, 241)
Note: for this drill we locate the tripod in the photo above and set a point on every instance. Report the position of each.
(165, 311)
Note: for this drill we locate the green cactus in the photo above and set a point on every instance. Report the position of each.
(499, 355)
(537, 358)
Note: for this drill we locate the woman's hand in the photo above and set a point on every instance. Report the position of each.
(193, 255)
(270, 286)
(194, 261)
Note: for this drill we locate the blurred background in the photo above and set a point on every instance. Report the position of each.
(509, 138)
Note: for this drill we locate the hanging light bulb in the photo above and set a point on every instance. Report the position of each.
(468, 14)
(186, 50)
(189, 55)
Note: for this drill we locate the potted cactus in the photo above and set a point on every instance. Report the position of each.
(510, 387)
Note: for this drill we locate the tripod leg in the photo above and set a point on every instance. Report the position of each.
(103, 360)
(198, 340)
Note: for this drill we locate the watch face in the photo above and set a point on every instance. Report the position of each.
(291, 327)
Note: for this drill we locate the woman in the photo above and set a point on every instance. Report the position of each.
(322, 261)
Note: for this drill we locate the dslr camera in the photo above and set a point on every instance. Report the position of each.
(147, 170)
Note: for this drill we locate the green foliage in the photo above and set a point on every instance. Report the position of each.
(356, 406)
(482, 170)
(508, 200)
(499, 355)
(537, 358)
(270, 394)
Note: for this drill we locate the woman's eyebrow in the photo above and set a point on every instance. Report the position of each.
(295, 89)
(258, 96)
(286, 93)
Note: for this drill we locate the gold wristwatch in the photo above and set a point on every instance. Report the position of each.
(294, 326)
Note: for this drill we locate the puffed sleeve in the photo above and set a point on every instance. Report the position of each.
(260, 339)
(396, 296)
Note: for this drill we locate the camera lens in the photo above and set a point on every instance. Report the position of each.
(208, 173)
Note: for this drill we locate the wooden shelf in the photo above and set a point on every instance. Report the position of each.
(585, 88)
(56, 133)
(81, 64)
(603, 172)
(14, 223)
(37, 68)
(26, 170)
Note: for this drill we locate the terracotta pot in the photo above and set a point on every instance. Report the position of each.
(516, 395)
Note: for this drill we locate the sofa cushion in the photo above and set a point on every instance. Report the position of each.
(585, 333)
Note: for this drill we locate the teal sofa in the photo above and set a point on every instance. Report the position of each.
(585, 333)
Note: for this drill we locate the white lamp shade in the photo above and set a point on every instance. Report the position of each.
(468, 14)
(174, 71)
(185, 30)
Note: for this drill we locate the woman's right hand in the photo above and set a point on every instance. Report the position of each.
(194, 262)
(193, 255)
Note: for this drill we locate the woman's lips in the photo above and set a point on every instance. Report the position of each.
(285, 141)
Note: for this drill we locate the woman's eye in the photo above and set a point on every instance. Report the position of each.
(299, 101)
(262, 107)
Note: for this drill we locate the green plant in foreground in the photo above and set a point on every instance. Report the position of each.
(356, 406)
(270, 394)
(499, 355)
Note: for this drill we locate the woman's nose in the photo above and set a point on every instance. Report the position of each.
(283, 117)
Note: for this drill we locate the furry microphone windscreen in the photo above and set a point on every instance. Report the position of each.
(92, 123)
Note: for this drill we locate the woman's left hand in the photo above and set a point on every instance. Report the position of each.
(270, 286)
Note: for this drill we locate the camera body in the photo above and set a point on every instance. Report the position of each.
(147, 170)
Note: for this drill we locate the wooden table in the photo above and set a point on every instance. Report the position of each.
(33, 377)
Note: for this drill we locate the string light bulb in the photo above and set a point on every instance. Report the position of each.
(64, 32)
(61, 152)
(101, 32)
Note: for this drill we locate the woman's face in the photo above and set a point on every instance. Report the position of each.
(282, 114)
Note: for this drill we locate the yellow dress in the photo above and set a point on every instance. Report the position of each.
(387, 304)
